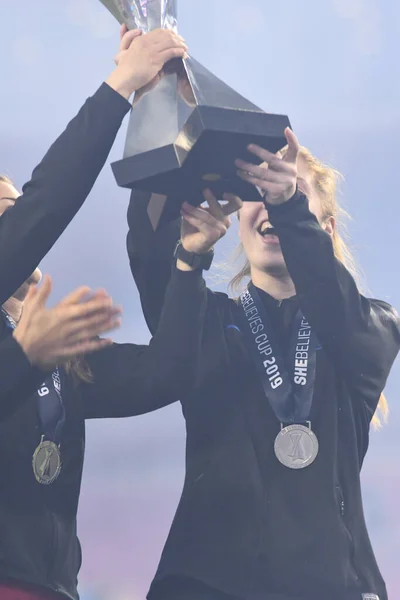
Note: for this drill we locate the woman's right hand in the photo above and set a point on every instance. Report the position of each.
(52, 336)
(141, 58)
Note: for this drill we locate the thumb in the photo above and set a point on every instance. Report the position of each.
(293, 146)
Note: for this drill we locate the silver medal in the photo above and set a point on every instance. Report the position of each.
(296, 446)
(46, 462)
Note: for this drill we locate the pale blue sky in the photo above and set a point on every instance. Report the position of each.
(333, 67)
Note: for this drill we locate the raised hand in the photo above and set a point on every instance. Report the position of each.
(276, 178)
(52, 336)
(203, 227)
(141, 58)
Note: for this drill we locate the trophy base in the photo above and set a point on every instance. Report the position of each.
(202, 156)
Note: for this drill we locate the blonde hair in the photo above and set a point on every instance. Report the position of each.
(324, 179)
(77, 367)
(5, 179)
(79, 370)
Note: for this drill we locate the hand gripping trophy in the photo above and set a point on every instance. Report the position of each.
(186, 131)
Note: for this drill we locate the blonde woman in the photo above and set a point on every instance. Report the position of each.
(290, 376)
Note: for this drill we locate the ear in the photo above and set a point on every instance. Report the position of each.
(329, 225)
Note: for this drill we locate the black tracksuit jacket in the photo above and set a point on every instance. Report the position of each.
(247, 525)
(38, 541)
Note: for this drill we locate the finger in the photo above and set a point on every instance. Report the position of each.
(233, 204)
(101, 293)
(103, 312)
(87, 308)
(167, 42)
(215, 208)
(275, 163)
(255, 170)
(86, 331)
(78, 295)
(98, 319)
(128, 38)
(171, 53)
(262, 153)
(293, 147)
(32, 292)
(209, 232)
(84, 347)
(44, 291)
(201, 214)
(84, 294)
(260, 183)
(267, 175)
(164, 39)
(122, 31)
(99, 328)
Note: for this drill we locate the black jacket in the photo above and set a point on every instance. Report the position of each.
(245, 524)
(38, 542)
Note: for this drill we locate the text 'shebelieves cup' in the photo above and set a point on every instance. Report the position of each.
(186, 131)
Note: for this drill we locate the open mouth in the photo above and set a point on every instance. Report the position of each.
(268, 233)
(265, 229)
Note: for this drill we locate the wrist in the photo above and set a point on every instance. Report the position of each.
(193, 260)
(119, 83)
(202, 251)
(181, 266)
(271, 201)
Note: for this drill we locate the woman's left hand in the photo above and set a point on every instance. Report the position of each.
(202, 226)
(276, 177)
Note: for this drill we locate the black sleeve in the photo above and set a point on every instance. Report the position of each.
(18, 379)
(58, 188)
(131, 380)
(150, 256)
(361, 335)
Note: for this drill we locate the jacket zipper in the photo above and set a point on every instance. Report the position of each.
(342, 509)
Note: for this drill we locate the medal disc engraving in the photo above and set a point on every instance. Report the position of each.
(296, 446)
(46, 462)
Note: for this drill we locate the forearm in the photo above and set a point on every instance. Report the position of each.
(171, 362)
(150, 255)
(58, 188)
(361, 335)
(131, 380)
(327, 292)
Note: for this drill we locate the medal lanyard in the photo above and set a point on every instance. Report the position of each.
(288, 393)
(51, 410)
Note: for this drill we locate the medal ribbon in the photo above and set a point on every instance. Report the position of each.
(51, 408)
(289, 394)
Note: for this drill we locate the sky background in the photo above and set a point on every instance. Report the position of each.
(333, 67)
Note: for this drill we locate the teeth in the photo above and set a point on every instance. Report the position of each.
(265, 227)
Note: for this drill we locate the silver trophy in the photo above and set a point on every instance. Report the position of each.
(186, 131)
(144, 14)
